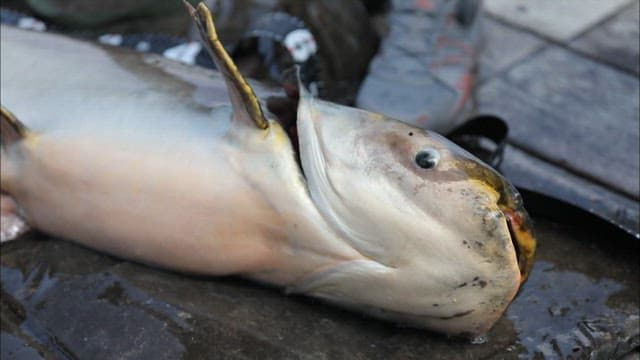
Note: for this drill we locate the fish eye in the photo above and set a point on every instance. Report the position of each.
(427, 158)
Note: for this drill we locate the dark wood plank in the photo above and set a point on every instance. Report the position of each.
(572, 111)
(534, 174)
(503, 46)
(615, 41)
(558, 20)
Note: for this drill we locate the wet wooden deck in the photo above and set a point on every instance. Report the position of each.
(565, 76)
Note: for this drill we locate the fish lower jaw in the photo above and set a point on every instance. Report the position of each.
(398, 295)
(470, 323)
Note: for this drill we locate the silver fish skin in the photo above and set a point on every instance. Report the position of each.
(145, 158)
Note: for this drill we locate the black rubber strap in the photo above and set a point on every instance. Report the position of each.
(485, 136)
(539, 204)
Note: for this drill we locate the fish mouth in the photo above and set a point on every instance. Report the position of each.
(520, 230)
(510, 203)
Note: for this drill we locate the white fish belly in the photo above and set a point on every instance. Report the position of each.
(181, 209)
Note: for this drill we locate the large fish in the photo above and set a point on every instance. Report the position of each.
(139, 157)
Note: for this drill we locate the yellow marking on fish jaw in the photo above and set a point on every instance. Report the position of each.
(485, 187)
(517, 218)
(520, 232)
(238, 87)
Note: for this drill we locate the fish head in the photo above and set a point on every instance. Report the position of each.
(415, 202)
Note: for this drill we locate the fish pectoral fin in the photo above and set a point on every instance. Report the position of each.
(246, 106)
(11, 129)
(12, 225)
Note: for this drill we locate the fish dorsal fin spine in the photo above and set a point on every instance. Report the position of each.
(11, 129)
(246, 106)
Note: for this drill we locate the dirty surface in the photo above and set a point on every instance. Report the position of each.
(60, 300)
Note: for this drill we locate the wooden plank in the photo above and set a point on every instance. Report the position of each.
(574, 112)
(503, 46)
(559, 20)
(616, 41)
(534, 174)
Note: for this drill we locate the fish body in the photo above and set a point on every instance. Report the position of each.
(169, 167)
(146, 159)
